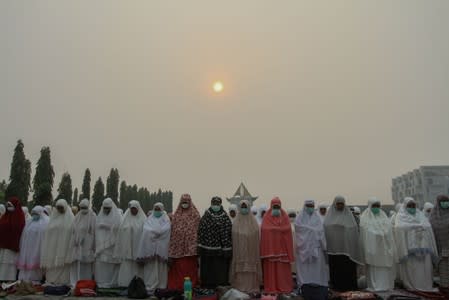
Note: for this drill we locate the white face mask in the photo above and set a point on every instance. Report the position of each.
(11, 209)
(185, 205)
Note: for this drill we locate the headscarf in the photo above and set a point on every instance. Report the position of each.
(254, 211)
(245, 244)
(11, 226)
(31, 241)
(319, 214)
(342, 234)
(215, 233)
(129, 233)
(2, 210)
(48, 209)
(233, 208)
(427, 206)
(291, 211)
(155, 237)
(56, 242)
(310, 237)
(262, 208)
(376, 236)
(106, 228)
(440, 225)
(276, 240)
(26, 213)
(413, 234)
(184, 230)
(83, 235)
(397, 207)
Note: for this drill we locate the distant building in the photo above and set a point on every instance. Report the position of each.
(423, 184)
(241, 194)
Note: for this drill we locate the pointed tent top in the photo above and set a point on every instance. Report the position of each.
(242, 193)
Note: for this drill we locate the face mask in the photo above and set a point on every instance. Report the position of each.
(35, 217)
(411, 210)
(375, 210)
(244, 211)
(444, 204)
(11, 209)
(310, 210)
(157, 213)
(275, 212)
(185, 205)
(84, 211)
(216, 208)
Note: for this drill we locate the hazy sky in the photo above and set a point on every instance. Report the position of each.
(321, 98)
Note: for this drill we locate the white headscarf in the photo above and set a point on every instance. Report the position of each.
(291, 211)
(254, 211)
(48, 209)
(413, 234)
(106, 228)
(310, 237)
(82, 241)
(56, 242)
(342, 234)
(262, 208)
(31, 241)
(376, 236)
(319, 214)
(233, 207)
(2, 210)
(357, 210)
(26, 213)
(129, 233)
(427, 206)
(155, 238)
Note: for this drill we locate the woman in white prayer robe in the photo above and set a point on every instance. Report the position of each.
(26, 212)
(378, 247)
(56, 245)
(427, 209)
(82, 244)
(106, 230)
(416, 247)
(311, 265)
(30, 246)
(153, 248)
(127, 244)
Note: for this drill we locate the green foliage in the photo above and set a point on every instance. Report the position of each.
(43, 179)
(75, 197)
(65, 188)
(85, 189)
(112, 185)
(98, 195)
(20, 175)
(3, 187)
(123, 196)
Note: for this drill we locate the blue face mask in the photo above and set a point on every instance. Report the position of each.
(35, 217)
(244, 211)
(157, 213)
(216, 208)
(444, 204)
(375, 210)
(310, 210)
(275, 212)
(411, 210)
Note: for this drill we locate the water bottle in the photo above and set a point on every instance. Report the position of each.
(187, 288)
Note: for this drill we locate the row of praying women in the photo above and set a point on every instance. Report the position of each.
(257, 248)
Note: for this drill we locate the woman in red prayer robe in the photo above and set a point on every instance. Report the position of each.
(182, 253)
(276, 250)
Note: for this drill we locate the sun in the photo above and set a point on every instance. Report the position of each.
(218, 87)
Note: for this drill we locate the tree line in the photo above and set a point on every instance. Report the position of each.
(41, 186)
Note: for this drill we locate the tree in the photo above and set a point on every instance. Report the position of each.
(112, 185)
(3, 187)
(20, 175)
(85, 189)
(43, 179)
(65, 188)
(98, 195)
(75, 197)
(123, 195)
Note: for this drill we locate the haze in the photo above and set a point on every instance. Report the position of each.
(320, 98)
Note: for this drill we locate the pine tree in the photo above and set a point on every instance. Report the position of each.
(85, 189)
(75, 197)
(3, 187)
(65, 188)
(123, 195)
(20, 175)
(98, 195)
(43, 179)
(112, 185)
